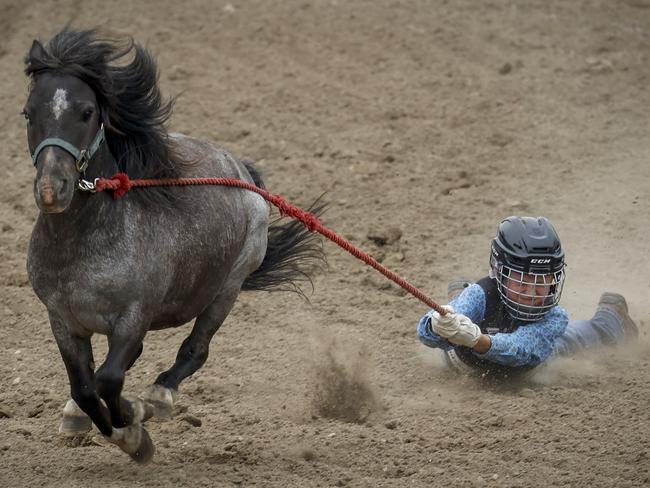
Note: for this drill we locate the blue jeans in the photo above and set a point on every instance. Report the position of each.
(605, 328)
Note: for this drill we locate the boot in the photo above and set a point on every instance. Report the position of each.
(617, 303)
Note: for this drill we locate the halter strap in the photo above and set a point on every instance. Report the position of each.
(82, 156)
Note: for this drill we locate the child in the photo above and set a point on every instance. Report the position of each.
(510, 321)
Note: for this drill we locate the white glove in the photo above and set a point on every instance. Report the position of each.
(455, 327)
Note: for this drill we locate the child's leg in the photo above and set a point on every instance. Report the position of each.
(578, 335)
(615, 323)
(610, 325)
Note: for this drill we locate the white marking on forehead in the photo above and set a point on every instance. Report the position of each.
(59, 102)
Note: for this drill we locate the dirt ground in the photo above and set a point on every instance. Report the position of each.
(434, 118)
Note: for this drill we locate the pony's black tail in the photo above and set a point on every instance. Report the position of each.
(292, 252)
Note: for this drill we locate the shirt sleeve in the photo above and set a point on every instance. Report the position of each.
(530, 344)
(471, 303)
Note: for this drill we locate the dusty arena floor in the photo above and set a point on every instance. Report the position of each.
(434, 118)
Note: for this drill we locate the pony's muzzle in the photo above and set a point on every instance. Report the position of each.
(53, 187)
(52, 197)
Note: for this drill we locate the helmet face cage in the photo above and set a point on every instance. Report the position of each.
(528, 296)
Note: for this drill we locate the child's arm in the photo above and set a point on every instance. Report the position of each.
(429, 338)
(471, 303)
(530, 344)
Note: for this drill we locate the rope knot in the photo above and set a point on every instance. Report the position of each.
(310, 220)
(286, 209)
(122, 184)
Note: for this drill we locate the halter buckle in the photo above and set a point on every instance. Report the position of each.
(82, 163)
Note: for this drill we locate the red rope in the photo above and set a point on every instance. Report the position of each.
(120, 184)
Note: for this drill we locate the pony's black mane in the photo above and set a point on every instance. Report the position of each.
(131, 104)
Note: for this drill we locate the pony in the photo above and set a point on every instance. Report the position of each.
(155, 258)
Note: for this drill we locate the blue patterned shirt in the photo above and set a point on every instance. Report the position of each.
(529, 345)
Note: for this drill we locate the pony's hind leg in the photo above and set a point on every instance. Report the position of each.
(194, 350)
(191, 356)
(161, 399)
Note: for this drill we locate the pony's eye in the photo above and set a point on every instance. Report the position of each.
(87, 114)
(25, 114)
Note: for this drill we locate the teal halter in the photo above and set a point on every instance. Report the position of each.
(82, 156)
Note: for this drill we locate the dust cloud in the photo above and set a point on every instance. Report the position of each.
(342, 389)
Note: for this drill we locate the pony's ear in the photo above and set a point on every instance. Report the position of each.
(37, 51)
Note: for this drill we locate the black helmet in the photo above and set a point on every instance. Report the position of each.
(527, 253)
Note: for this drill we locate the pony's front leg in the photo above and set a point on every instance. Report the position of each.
(77, 356)
(75, 421)
(126, 416)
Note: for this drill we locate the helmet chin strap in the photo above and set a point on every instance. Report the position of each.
(81, 156)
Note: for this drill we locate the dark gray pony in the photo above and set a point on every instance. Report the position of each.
(153, 259)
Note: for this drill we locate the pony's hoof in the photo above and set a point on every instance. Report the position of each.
(135, 441)
(72, 426)
(145, 450)
(75, 421)
(142, 409)
(161, 399)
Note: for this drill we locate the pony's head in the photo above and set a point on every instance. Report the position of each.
(86, 113)
(63, 119)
